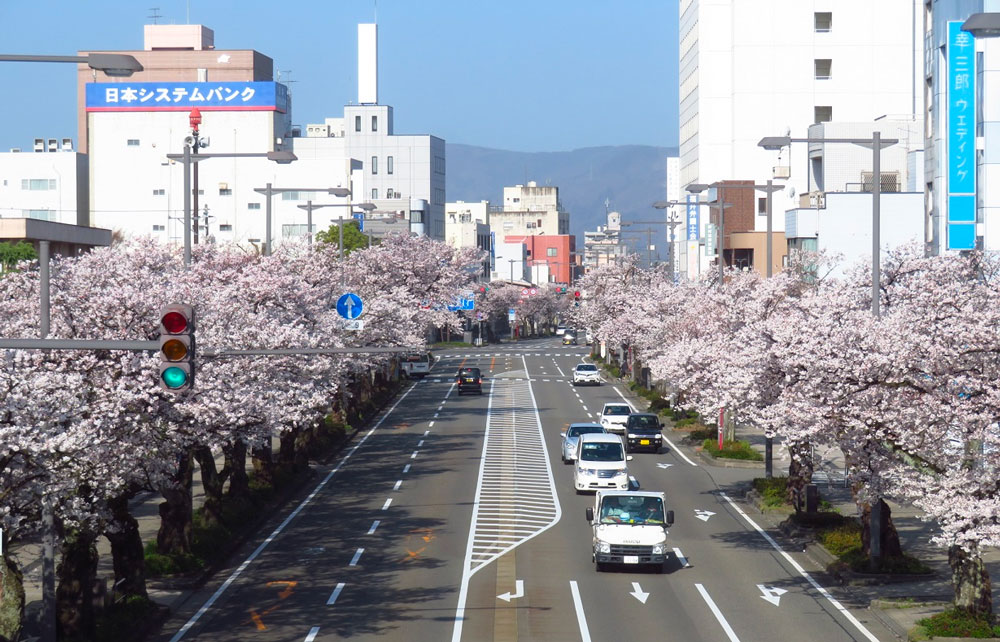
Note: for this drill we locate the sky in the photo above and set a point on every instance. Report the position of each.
(521, 75)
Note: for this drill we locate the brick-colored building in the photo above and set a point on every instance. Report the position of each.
(555, 253)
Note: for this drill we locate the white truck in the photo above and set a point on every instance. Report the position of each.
(630, 528)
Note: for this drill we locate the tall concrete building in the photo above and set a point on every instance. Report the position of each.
(756, 68)
(529, 209)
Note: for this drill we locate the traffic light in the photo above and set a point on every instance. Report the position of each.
(576, 298)
(561, 289)
(484, 289)
(177, 327)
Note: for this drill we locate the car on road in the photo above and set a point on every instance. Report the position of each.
(642, 432)
(589, 336)
(630, 529)
(614, 416)
(569, 339)
(586, 373)
(572, 435)
(560, 330)
(600, 463)
(416, 365)
(469, 380)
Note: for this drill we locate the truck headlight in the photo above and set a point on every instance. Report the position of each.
(588, 471)
(603, 547)
(621, 472)
(658, 549)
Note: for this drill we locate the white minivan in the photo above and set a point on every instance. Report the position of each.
(600, 463)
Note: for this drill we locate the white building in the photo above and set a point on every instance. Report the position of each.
(528, 210)
(510, 262)
(750, 69)
(604, 246)
(465, 226)
(48, 183)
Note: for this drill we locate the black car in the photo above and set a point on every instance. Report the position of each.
(643, 432)
(469, 380)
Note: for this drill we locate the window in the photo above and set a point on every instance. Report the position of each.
(551, 251)
(388, 164)
(824, 68)
(374, 123)
(35, 184)
(253, 206)
(357, 123)
(159, 228)
(132, 142)
(295, 230)
(438, 196)
(41, 215)
(225, 227)
(823, 114)
(439, 164)
(389, 193)
(225, 191)
(300, 196)
(761, 205)
(823, 21)
(159, 192)
(374, 164)
(374, 194)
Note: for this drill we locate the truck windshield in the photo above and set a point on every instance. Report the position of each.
(632, 510)
(602, 452)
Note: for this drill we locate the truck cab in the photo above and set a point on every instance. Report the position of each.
(630, 528)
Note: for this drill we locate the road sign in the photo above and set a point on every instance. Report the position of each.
(511, 314)
(350, 306)
(354, 324)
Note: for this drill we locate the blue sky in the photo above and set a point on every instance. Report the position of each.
(542, 75)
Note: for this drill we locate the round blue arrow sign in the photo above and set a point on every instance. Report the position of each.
(350, 306)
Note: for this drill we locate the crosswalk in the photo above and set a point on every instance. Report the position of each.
(481, 355)
(535, 379)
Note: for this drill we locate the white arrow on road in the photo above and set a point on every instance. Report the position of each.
(664, 466)
(518, 592)
(703, 515)
(771, 594)
(638, 593)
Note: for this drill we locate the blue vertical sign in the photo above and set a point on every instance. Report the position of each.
(961, 138)
(693, 222)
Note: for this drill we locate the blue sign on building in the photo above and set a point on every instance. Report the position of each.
(961, 138)
(693, 220)
(183, 96)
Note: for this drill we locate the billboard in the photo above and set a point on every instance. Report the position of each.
(961, 138)
(184, 96)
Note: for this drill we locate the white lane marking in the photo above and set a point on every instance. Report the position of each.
(427, 432)
(518, 592)
(638, 593)
(771, 593)
(703, 515)
(399, 482)
(430, 425)
(406, 469)
(822, 591)
(385, 506)
(673, 448)
(420, 443)
(717, 613)
(680, 557)
(561, 373)
(505, 426)
(663, 466)
(377, 522)
(336, 593)
(435, 415)
(590, 416)
(277, 531)
(581, 616)
(357, 556)
(414, 455)
(312, 634)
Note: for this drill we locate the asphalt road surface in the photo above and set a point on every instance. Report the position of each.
(455, 519)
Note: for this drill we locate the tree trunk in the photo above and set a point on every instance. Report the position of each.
(11, 600)
(889, 536)
(800, 472)
(236, 462)
(126, 549)
(263, 464)
(971, 581)
(177, 511)
(212, 483)
(76, 574)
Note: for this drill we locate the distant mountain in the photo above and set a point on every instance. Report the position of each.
(630, 177)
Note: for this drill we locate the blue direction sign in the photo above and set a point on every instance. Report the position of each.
(350, 306)
(463, 304)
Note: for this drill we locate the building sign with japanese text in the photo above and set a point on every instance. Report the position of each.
(961, 138)
(183, 96)
(693, 222)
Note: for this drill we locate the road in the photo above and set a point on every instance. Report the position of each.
(454, 518)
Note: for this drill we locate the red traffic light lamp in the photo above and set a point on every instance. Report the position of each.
(177, 347)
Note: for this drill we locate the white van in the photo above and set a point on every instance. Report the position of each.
(600, 463)
(416, 364)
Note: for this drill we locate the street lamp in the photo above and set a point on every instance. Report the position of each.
(983, 25)
(280, 157)
(721, 205)
(877, 143)
(114, 65)
(310, 206)
(269, 191)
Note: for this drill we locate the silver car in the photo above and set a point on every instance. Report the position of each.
(572, 436)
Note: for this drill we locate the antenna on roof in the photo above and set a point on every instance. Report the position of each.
(155, 15)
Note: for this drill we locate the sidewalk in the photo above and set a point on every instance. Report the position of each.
(899, 604)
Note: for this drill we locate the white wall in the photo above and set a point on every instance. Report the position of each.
(62, 174)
